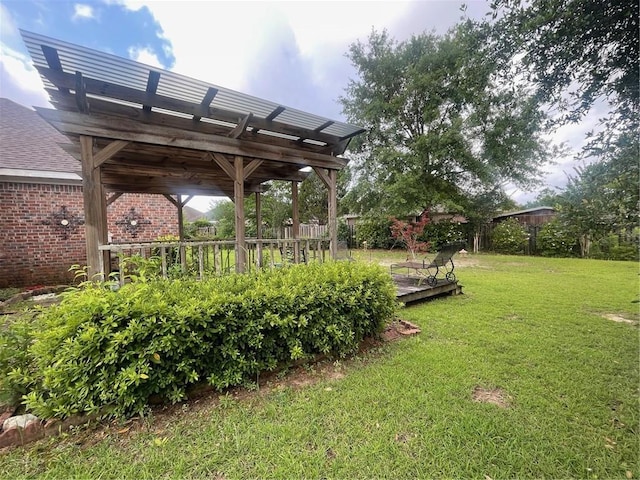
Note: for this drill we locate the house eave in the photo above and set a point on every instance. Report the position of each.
(17, 175)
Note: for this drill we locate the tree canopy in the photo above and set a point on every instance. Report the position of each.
(442, 124)
(576, 51)
(604, 196)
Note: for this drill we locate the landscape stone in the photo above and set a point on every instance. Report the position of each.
(21, 421)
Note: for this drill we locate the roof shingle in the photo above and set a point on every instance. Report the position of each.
(27, 142)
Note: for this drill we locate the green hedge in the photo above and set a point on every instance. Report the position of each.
(102, 350)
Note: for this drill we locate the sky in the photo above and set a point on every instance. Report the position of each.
(292, 53)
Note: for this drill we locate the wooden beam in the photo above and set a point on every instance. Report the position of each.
(238, 197)
(110, 90)
(258, 215)
(113, 198)
(131, 130)
(52, 57)
(186, 200)
(249, 169)
(72, 149)
(333, 213)
(259, 228)
(172, 200)
(66, 102)
(324, 125)
(295, 209)
(152, 86)
(160, 189)
(180, 220)
(206, 101)
(53, 60)
(277, 111)
(337, 149)
(224, 164)
(323, 175)
(94, 210)
(81, 94)
(109, 151)
(241, 127)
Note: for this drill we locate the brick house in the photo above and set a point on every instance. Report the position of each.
(41, 204)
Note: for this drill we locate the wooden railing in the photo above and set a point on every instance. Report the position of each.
(213, 257)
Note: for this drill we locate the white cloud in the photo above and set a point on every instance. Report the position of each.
(134, 6)
(219, 41)
(145, 55)
(83, 12)
(204, 203)
(19, 76)
(7, 24)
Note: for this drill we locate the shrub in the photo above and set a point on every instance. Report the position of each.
(509, 237)
(556, 240)
(376, 232)
(109, 351)
(16, 336)
(444, 232)
(616, 247)
(407, 233)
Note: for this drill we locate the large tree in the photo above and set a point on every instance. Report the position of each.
(442, 124)
(576, 51)
(604, 196)
(314, 197)
(581, 54)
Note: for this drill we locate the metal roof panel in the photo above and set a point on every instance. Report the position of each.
(121, 71)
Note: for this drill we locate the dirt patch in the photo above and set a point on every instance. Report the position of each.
(399, 329)
(619, 319)
(495, 396)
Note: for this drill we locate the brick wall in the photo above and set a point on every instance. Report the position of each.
(36, 248)
(156, 209)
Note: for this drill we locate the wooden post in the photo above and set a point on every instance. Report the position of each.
(333, 213)
(330, 179)
(259, 228)
(296, 221)
(182, 249)
(180, 219)
(238, 195)
(95, 207)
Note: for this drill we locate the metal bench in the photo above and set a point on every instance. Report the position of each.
(438, 269)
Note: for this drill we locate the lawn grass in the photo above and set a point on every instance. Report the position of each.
(534, 328)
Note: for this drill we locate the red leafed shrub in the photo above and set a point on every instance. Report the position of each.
(409, 232)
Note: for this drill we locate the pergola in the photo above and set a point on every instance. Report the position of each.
(140, 129)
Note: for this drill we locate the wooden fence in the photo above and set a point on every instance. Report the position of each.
(209, 258)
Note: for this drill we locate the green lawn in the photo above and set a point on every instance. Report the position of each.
(534, 328)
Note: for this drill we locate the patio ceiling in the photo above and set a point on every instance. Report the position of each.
(162, 132)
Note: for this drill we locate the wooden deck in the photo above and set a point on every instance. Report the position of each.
(411, 290)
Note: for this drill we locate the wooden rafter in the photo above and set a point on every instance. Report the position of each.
(224, 164)
(206, 101)
(252, 167)
(152, 86)
(241, 127)
(81, 94)
(109, 151)
(112, 198)
(70, 123)
(64, 80)
(323, 175)
(66, 102)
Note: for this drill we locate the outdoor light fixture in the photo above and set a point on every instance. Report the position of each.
(64, 222)
(133, 222)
